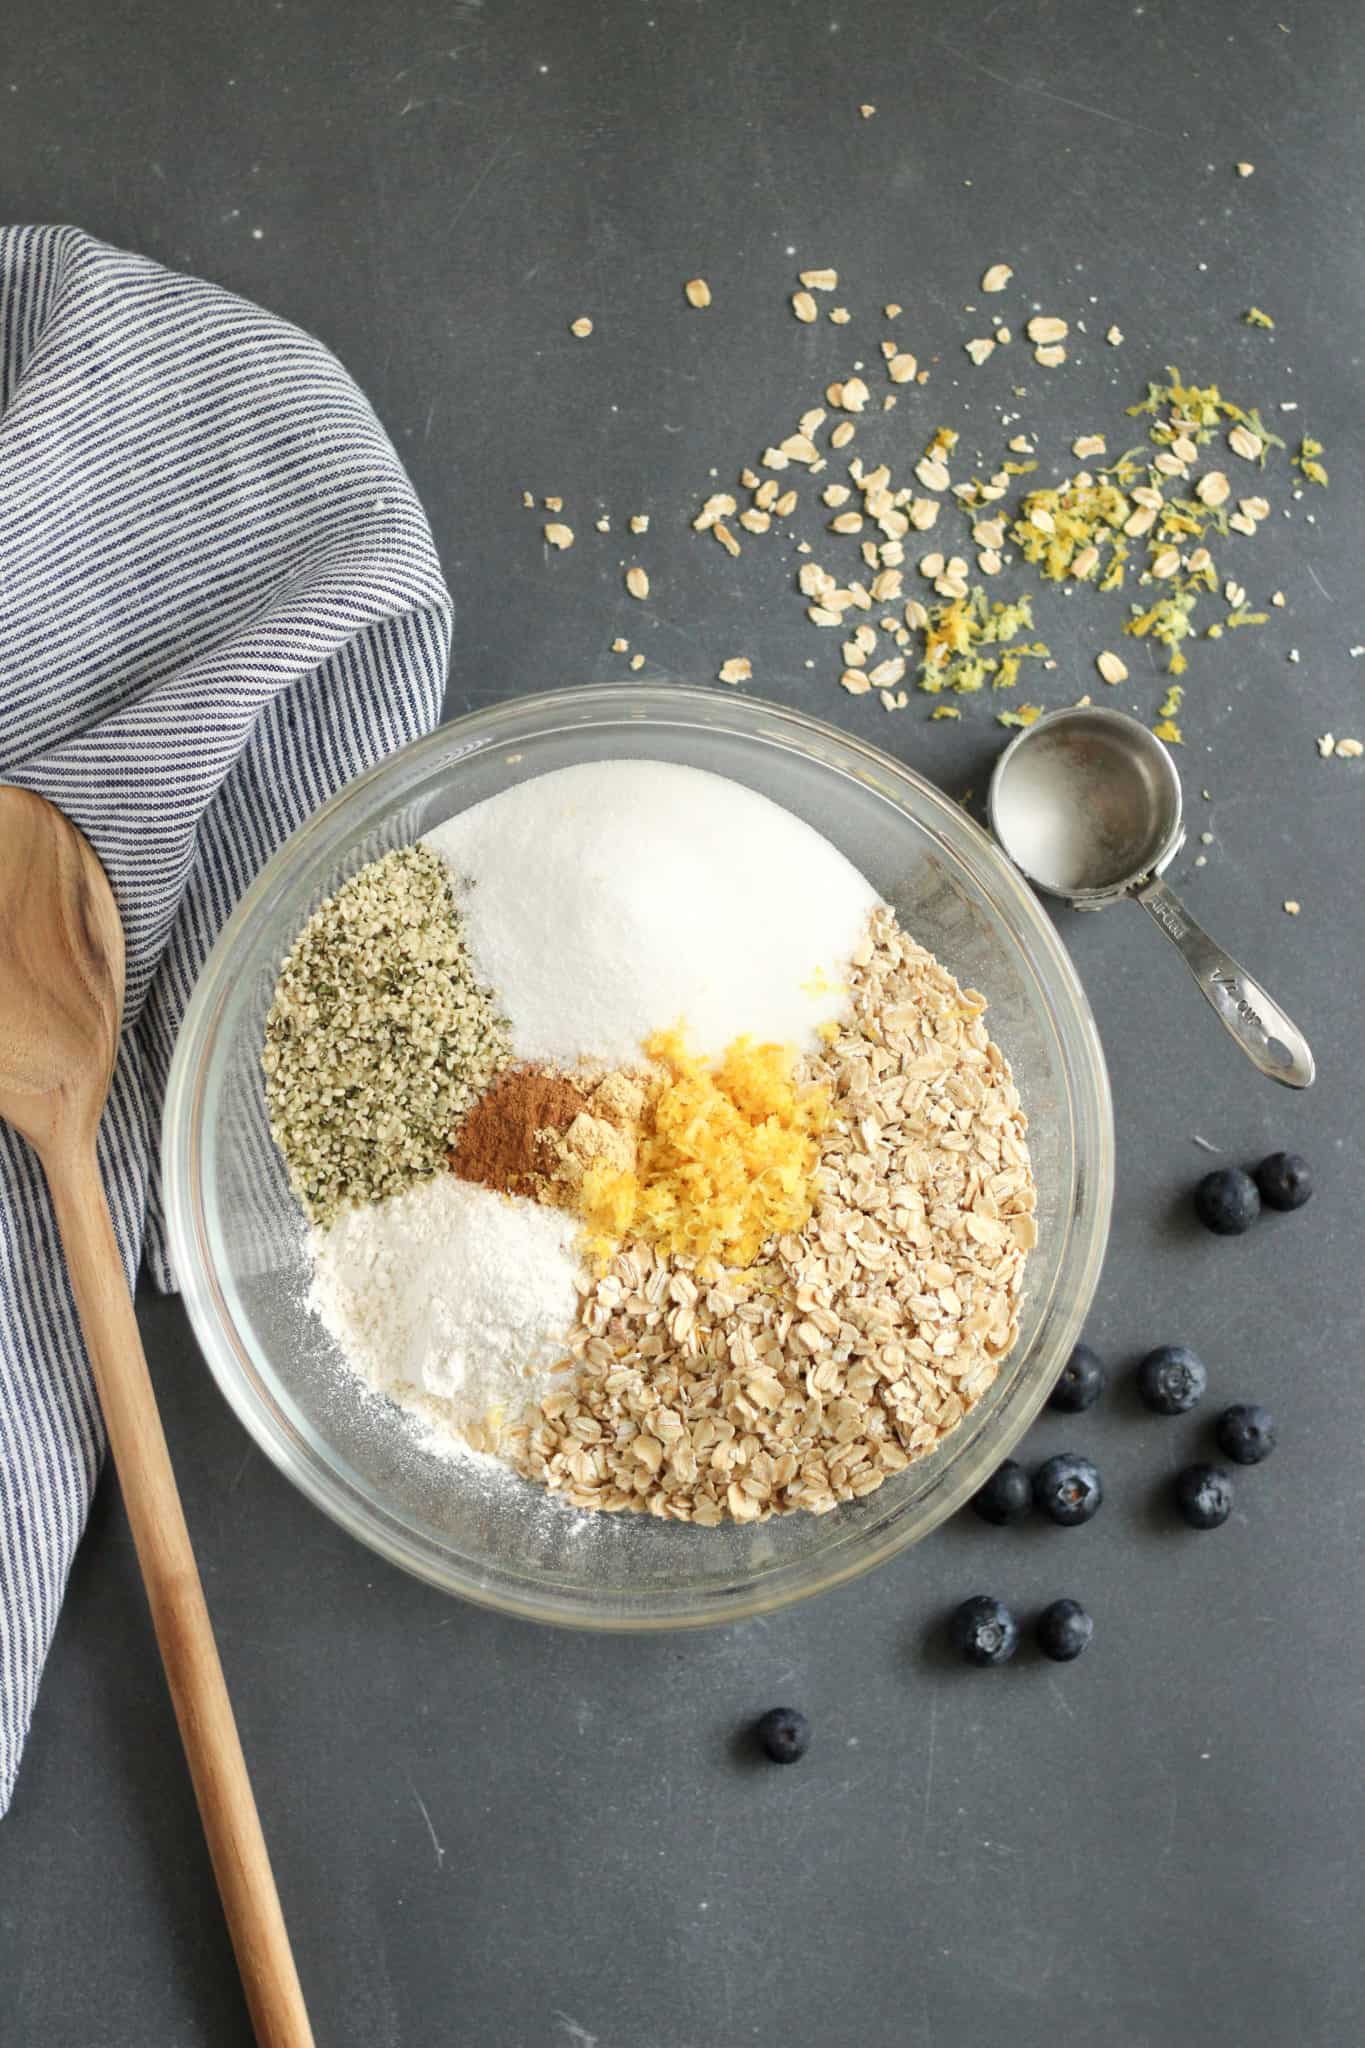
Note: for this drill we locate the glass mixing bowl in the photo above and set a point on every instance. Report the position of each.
(238, 1240)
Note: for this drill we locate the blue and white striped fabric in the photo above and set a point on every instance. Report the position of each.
(219, 601)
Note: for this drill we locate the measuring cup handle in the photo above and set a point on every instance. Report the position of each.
(1270, 1039)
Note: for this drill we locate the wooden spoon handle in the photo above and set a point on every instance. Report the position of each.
(240, 1860)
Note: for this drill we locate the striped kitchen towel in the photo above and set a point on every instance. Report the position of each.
(219, 601)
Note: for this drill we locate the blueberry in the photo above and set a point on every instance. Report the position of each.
(1007, 1495)
(1064, 1630)
(984, 1631)
(1203, 1494)
(1080, 1382)
(783, 1734)
(1285, 1180)
(1246, 1433)
(1171, 1380)
(1067, 1489)
(1227, 1201)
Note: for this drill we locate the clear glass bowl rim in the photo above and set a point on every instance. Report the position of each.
(228, 1354)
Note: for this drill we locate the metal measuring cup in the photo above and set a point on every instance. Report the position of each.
(1086, 802)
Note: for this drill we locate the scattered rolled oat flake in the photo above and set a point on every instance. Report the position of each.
(1045, 327)
(717, 506)
(892, 310)
(804, 307)
(724, 536)
(840, 315)
(558, 535)
(1292, 908)
(1167, 562)
(603, 524)
(582, 327)
(1114, 337)
(785, 505)
(932, 474)
(901, 368)
(738, 669)
(867, 110)
(1350, 750)
(842, 434)
(639, 522)
(554, 504)
(637, 661)
(997, 277)
(1050, 357)
(1294, 654)
(979, 349)
(820, 280)
(1244, 443)
(1213, 488)
(698, 291)
(637, 583)
(1088, 444)
(620, 646)
(1278, 600)
(528, 500)
(1326, 745)
(1245, 170)
(1111, 668)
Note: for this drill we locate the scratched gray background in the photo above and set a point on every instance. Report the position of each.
(488, 1834)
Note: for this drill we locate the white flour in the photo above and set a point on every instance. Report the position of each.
(450, 1298)
(608, 901)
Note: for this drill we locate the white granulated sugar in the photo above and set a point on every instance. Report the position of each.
(449, 1298)
(612, 900)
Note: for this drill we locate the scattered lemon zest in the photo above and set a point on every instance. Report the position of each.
(1254, 317)
(1306, 461)
(956, 634)
(1169, 731)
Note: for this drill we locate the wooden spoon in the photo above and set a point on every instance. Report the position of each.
(61, 1001)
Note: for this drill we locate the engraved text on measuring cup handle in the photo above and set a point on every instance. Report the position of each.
(1269, 1038)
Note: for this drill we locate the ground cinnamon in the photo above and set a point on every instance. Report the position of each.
(507, 1141)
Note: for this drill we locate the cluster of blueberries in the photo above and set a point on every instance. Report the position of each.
(1170, 1381)
(1068, 1488)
